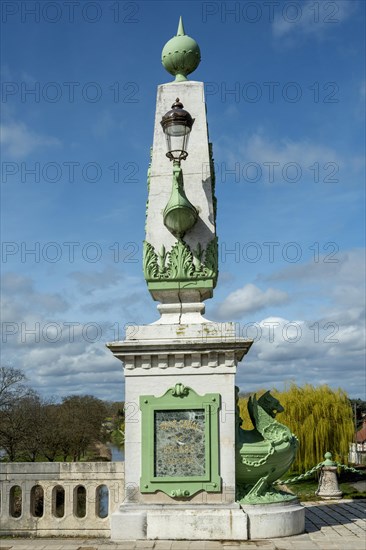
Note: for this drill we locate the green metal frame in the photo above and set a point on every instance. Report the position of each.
(180, 397)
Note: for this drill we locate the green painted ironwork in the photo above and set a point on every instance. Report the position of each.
(181, 54)
(180, 398)
(327, 462)
(349, 469)
(179, 214)
(301, 477)
(180, 267)
(264, 453)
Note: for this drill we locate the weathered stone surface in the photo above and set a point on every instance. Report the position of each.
(195, 261)
(275, 520)
(227, 523)
(68, 475)
(328, 483)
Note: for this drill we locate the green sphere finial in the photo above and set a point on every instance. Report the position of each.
(181, 54)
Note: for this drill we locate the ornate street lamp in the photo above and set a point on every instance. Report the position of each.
(177, 125)
(179, 214)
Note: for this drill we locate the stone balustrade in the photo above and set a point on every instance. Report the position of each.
(59, 498)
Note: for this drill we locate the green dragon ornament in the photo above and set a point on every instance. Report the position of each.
(263, 454)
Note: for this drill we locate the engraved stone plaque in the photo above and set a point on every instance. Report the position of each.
(179, 443)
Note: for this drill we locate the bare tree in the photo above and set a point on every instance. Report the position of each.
(11, 385)
(13, 428)
(31, 427)
(53, 439)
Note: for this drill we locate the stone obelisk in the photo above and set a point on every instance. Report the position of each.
(180, 370)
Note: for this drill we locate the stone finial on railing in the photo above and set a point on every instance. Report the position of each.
(328, 487)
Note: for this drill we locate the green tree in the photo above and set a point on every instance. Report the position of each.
(320, 417)
(116, 422)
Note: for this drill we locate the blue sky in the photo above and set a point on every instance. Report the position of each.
(285, 93)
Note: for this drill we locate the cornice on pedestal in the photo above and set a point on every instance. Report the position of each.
(192, 357)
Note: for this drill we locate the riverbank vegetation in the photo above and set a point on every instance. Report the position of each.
(34, 429)
(80, 426)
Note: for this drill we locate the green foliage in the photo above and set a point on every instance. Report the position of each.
(115, 423)
(320, 417)
(118, 436)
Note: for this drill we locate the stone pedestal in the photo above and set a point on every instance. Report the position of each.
(328, 483)
(274, 520)
(158, 358)
(183, 522)
(201, 356)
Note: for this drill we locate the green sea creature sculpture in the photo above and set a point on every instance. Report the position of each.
(264, 453)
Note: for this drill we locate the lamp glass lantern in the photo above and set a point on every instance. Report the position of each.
(177, 124)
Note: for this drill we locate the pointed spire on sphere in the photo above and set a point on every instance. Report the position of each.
(180, 31)
(181, 54)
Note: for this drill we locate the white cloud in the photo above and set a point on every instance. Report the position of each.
(76, 367)
(91, 281)
(102, 125)
(363, 90)
(18, 140)
(60, 356)
(59, 344)
(345, 266)
(283, 159)
(326, 348)
(19, 299)
(305, 153)
(249, 299)
(299, 19)
(345, 270)
(303, 352)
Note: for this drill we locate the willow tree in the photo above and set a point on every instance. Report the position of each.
(320, 417)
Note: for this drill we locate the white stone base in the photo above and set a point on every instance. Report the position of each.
(128, 524)
(189, 522)
(275, 520)
(179, 523)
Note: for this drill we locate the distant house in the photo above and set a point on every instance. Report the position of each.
(361, 435)
(357, 451)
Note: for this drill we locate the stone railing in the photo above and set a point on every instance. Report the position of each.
(59, 498)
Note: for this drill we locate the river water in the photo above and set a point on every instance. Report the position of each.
(118, 453)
